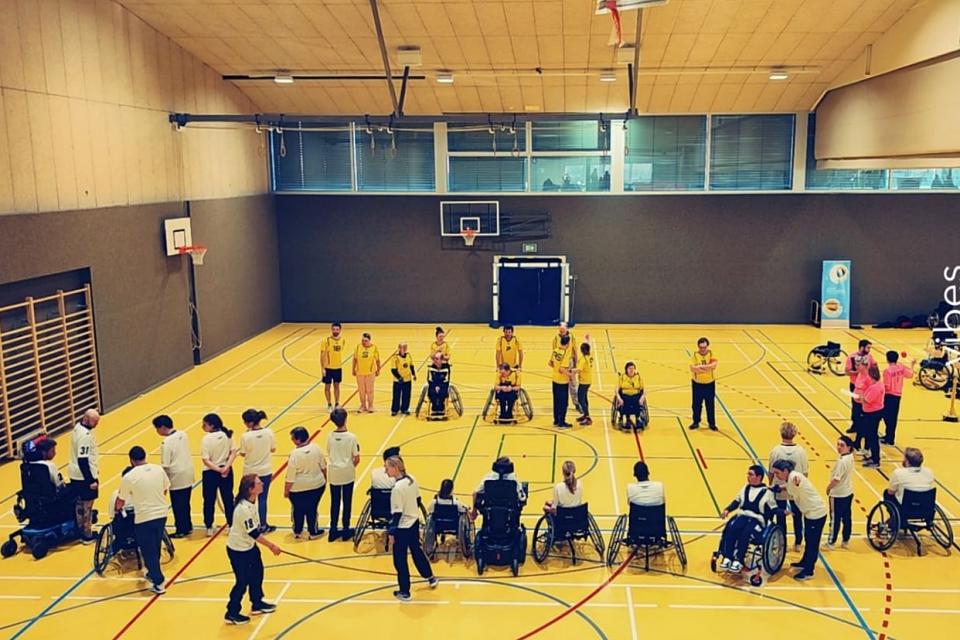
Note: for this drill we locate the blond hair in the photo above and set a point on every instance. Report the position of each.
(570, 475)
(397, 463)
(788, 431)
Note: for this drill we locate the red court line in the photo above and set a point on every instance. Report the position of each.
(702, 460)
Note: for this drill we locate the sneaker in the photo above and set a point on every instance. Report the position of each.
(406, 413)
(803, 576)
(845, 544)
(564, 425)
(713, 427)
(268, 528)
(347, 535)
(316, 534)
(870, 464)
(210, 532)
(796, 565)
(236, 618)
(860, 452)
(829, 546)
(296, 536)
(852, 429)
(736, 567)
(586, 421)
(393, 413)
(178, 535)
(157, 589)
(334, 535)
(695, 425)
(329, 408)
(402, 597)
(85, 540)
(433, 582)
(725, 564)
(263, 607)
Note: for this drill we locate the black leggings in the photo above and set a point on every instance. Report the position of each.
(248, 576)
(213, 483)
(336, 492)
(841, 515)
(305, 505)
(583, 399)
(404, 539)
(797, 520)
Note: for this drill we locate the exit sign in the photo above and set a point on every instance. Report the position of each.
(529, 247)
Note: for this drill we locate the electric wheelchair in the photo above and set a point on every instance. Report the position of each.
(827, 357)
(447, 521)
(641, 415)
(116, 543)
(647, 529)
(567, 526)
(765, 552)
(376, 516)
(502, 539)
(491, 408)
(918, 512)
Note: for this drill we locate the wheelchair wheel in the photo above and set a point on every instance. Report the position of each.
(614, 413)
(816, 363)
(934, 378)
(166, 545)
(430, 540)
(616, 539)
(774, 549)
(677, 541)
(713, 561)
(524, 398)
(940, 528)
(466, 534)
(542, 538)
(8, 548)
(643, 419)
(596, 536)
(39, 549)
(103, 551)
(756, 580)
(485, 414)
(362, 523)
(837, 363)
(478, 555)
(456, 401)
(883, 525)
(423, 396)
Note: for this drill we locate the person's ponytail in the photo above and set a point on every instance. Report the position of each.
(570, 476)
(216, 422)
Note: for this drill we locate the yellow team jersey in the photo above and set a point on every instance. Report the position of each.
(333, 348)
(560, 359)
(366, 359)
(573, 341)
(509, 351)
(404, 366)
(703, 377)
(444, 350)
(630, 385)
(585, 369)
(513, 380)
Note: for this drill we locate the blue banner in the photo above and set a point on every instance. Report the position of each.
(835, 294)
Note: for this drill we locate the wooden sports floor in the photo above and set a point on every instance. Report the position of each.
(331, 591)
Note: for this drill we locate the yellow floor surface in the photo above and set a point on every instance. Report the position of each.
(332, 591)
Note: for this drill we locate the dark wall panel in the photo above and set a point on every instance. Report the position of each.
(676, 258)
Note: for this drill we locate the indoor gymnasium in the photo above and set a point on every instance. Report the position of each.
(479, 319)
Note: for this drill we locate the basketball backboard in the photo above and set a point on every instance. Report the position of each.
(480, 216)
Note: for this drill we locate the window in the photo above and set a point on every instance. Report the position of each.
(665, 153)
(505, 139)
(753, 152)
(915, 179)
(571, 173)
(312, 160)
(487, 173)
(401, 161)
(838, 178)
(571, 135)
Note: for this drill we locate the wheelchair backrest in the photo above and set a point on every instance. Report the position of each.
(918, 505)
(35, 481)
(647, 522)
(572, 518)
(380, 503)
(500, 493)
(446, 517)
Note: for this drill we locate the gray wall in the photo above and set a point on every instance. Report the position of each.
(670, 258)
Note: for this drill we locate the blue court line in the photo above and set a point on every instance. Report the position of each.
(50, 606)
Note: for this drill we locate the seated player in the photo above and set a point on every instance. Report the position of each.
(645, 492)
(438, 383)
(566, 494)
(756, 504)
(630, 395)
(62, 508)
(506, 386)
(446, 497)
(912, 475)
(121, 517)
(379, 479)
(502, 470)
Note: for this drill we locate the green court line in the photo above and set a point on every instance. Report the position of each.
(693, 454)
(500, 448)
(465, 446)
(553, 466)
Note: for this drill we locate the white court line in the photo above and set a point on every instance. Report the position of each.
(247, 365)
(263, 619)
(756, 607)
(283, 364)
(758, 367)
(24, 597)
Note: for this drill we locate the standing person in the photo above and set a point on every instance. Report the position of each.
(572, 383)
(405, 529)
(893, 377)
(860, 357)
(217, 454)
(584, 371)
(305, 483)
(789, 450)
(366, 368)
(566, 494)
(332, 349)
(246, 533)
(177, 463)
(872, 399)
(703, 368)
(859, 386)
(256, 446)
(440, 344)
(146, 486)
(509, 350)
(840, 493)
(505, 389)
(344, 453)
(83, 471)
(561, 361)
(630, 396)
(802, 492)
(404, 373)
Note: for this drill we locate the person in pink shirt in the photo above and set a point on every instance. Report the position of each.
(893, 377)
(859, 386)
(861, 355)
(872, 399)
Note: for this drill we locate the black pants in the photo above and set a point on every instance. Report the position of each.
(841, 515)
(404, 539)
(870, 424)
(401, 397)
(856, 409)
(148, 535)
(248, 576)
(561, 400)
(305, 505)
(736, 537)
(704, 394)
(814, 531)
(583, 399)
(891, 413)
(506, 400)
(338, 491)
(213, 482)
(180, 502)
(438, 395)
(797, 520)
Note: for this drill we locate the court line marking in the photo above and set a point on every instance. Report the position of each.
(63, 596)
(760, 370)
(706, 483)
(263, 619)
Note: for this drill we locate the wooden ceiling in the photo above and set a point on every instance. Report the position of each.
(696, 55)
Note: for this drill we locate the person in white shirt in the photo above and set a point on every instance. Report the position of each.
(379, 478)
(840, 493)
(83, 470)
(756, 505)
(306, 482)
(47, 450)
(789, 450)
(146, 486)
(814, 509)
(62, 509)
(217, 454)
(568, 493)
(405, 529)
(445, 497)
(256, 446)
(912, 475)
(502, 470)
(343, 450)
(246, 533)
(177, 463)
(645, 492)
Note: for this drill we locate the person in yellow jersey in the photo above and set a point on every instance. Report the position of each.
(331, 363)
(561, 361)
(573, 383)
(509, 350)
(441, 345)
(404, 373)
(630, 397)
(366, 368)
(506, 386)
(584, 371)
(703, 367)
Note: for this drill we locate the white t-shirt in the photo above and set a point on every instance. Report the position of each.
(216, 447)
(305, 468)
(403, 500)
(380, 480)
(256, 446)
(913, 478)
(342, 446)
(648, 493)
(52, 469)
(562, 497)
(146, 487)
(493, 475)
(462, 508)
(843, 473)
(175, 460)
(795, 454)
(128, 507)
(83, 445)
(246, 523)
(804, 494)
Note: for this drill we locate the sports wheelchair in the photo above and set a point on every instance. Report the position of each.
(116, 543)
(453, 404)
(935, 374)
(568, 525)
(765, 553)
(646, 528)
(491, 408)
(447, 520)
(618, 417)
(827, 357)
(918, 512)
(376, 516)
(502, 539)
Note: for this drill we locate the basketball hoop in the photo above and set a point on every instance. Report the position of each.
(469, 236)
(196, 251)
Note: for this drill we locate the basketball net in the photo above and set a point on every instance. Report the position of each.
(196, 252)
(469, 236)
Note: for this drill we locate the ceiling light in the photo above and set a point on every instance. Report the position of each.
(531, 107)
(283, 78)
(445, 77)
(608, 76)
(409, 56)
(779, 74)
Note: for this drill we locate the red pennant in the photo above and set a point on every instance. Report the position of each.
(616, 35)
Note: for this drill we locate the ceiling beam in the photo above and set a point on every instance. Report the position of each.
(386, 58)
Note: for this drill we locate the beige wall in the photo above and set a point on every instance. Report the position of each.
(85, 90)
